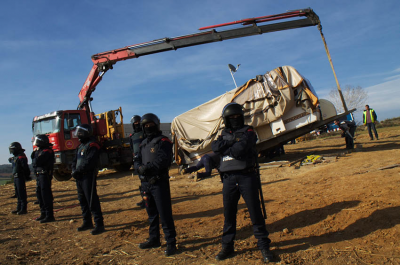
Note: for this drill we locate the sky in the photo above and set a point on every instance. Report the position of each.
(46, 48)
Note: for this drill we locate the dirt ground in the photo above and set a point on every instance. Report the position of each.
(344, 210)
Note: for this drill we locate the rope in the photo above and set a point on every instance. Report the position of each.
(333, 69)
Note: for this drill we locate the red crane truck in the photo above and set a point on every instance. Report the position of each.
(59, 125)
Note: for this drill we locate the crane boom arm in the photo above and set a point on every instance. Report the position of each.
(104, 61)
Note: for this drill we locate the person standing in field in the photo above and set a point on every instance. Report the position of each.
(84, 171)
(237, 149)
(152, 163)
(20, 171)
(369, 120)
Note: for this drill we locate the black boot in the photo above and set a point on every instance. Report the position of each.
(150, 244)
(98, 230)
(141, 204)
(85, 226)
(23, 211)
(41, 217)
(36, 202)
(225, 253)
(170, 250)
(47, 219)
(268, 256)
(14, 196)
(16, 211)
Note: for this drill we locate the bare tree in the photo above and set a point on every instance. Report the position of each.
(355, 97)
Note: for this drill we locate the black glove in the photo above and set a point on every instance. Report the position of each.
(75, 175)
(142, 170)
(11, 159)
(230, 140)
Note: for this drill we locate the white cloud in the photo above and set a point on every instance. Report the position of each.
(384, 97)
(392, 77)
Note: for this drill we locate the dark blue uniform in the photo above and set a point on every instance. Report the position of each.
(20, 163)
(85, 166)
(156, 156)
(134, 140)
(237, 166)
(208, 161)
(43, 163)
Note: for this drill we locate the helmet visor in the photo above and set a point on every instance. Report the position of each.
(81, 132)
(37, 141)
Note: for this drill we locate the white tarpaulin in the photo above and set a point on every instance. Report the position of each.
(265, 99)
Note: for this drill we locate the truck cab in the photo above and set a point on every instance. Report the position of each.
(59, 126)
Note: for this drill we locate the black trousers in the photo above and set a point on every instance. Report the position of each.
(20, 190)
(45, 194)
(158, 205)
(89, 200)
(349, 138)
(245, 184)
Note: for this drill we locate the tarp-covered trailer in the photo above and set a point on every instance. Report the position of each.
(277, 104)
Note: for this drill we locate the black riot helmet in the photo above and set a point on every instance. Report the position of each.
(136, 127)
(41, 140)
(83, 132)
(148, 118)
(233, 116)
(15, 148)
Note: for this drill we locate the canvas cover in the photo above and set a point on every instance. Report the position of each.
(265, 99)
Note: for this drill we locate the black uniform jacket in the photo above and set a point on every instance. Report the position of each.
(86, 157)
(237, 149)
(156, 155)
(43, 159)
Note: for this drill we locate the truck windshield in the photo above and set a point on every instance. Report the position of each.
(46, 126)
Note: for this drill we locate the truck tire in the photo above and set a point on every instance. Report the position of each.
(61, 176)
(122, 167)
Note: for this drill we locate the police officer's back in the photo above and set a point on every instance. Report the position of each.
(84, 170)
(236, 147)
(20, 171)
(153, 162)
(43, 163)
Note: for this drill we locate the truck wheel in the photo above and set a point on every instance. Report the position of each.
(61, 176)
(122, 167)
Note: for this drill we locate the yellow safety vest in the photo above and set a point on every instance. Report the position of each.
(370, 114)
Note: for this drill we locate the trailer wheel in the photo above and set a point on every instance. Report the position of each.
(61, 176)
(122, 167)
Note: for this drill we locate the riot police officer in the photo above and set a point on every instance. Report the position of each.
(236, 146)
(43, 163)
(137, 136)
(84, 170)
(20, 169)
(153, 162)
(135, 139)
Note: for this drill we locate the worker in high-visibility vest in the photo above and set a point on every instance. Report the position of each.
(369, 120)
